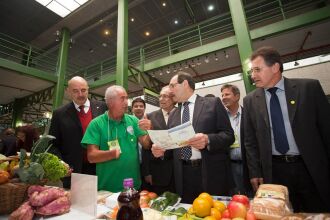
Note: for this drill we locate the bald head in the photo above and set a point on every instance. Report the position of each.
(78, 90)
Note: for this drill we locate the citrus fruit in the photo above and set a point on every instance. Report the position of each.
(219, 205)
(201, 207)
(215, 213)
(207, 196)
(191, 211)
(209, 218)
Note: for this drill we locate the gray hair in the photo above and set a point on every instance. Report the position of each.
(112, 91)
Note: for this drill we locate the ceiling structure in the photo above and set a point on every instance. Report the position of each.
(29, 22)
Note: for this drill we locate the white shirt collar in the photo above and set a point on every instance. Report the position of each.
(86, 105)
(192, 98)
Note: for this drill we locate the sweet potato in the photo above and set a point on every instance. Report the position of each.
(46, 196)
(24, 212)
(56, 207)
(35, 188)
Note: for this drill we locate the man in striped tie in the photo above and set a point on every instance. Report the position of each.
(204, 165)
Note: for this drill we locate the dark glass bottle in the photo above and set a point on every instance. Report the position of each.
(129, 202)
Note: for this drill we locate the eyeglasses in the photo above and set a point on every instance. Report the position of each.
(172, 85)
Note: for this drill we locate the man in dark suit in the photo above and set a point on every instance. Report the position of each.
(287, 127)
(230, 96)
(160, 169)
(69, 123)
(204, 165)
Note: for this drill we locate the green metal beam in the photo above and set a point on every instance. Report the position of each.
(122, 44)
(61, 70)
(28, 71)
(292, 23)
(243, 39)
(265, 31)
(17, 115)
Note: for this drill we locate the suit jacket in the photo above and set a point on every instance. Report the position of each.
(309, 114)
(209, 117)
(161, 169)
(66, 127)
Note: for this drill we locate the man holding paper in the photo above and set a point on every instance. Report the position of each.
(203, 165)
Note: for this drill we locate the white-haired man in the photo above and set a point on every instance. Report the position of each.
(111, 142)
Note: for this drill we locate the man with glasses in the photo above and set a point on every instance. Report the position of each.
(111, 142)
(203, 165)
(286, 128)
(160, 170)
(69, 123)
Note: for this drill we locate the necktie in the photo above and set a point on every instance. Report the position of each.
(82, 110)
(186, 151)
(280, 138)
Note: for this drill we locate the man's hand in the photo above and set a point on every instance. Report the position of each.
(199, 141)
(255, 182)
(115, 153)
(145, 123)
(157, 151)
(148, 179)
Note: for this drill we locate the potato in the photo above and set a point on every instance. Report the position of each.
(56, 207)
(35, 188)
(44, 197)
(24, 212)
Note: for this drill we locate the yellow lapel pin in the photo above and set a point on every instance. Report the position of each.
(292, 102)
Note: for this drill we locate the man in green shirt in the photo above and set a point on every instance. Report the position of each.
(111, 142)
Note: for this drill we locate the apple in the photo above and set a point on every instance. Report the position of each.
(152, 195)
(238, 219)
(241, 199)
(250, 216)
(225, 214)
(236, 209)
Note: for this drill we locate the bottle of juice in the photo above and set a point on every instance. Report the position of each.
(129, 202)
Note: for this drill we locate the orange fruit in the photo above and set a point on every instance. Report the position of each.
(209, 218)
(206, 196)
(191, 211)
(215, 213)
(201, 207)
(219, 205)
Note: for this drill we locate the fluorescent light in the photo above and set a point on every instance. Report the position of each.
(69, 4)
(58, 9)
(44, 2)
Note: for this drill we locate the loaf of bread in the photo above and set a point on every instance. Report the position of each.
(271, 202)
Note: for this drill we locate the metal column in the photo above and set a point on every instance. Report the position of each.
(61, 68)
(17, 115)
(243, 39)
(122, 44)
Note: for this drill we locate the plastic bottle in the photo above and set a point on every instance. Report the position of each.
(129, 202)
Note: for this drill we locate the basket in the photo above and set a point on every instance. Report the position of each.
(12, 195)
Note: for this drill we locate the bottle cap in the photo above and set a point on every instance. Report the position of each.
(128, 182)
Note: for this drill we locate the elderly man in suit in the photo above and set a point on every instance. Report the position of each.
(204, 165)
(287, 127)
(69, 123)
(160, 169)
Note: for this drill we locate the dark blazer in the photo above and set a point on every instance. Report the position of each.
(209, 117)
(161, 169)
(66, 127)
(309, 114)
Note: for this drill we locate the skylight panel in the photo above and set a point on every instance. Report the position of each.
(58, 9)
(69, 4)
(62, 7)
(44, 2)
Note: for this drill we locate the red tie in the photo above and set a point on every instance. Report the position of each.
(82, 111)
